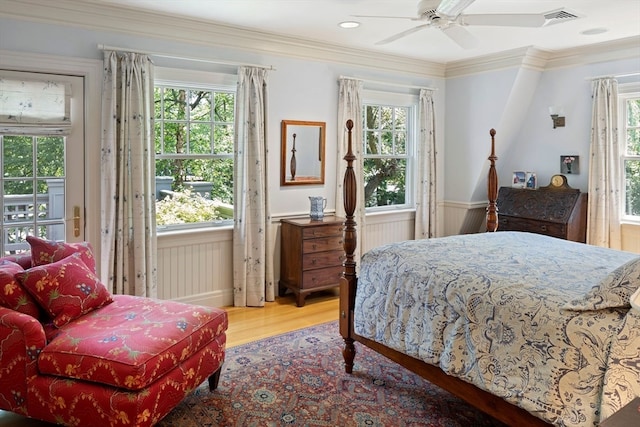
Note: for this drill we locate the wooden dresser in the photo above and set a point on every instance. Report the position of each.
(554, 212)
(311, 255)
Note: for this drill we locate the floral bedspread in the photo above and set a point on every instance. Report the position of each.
(544, 323)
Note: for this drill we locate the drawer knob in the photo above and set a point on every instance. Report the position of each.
(543, 227)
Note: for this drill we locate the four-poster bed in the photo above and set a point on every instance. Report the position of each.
(467, 343)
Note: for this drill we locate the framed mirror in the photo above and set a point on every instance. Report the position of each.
(302, 152)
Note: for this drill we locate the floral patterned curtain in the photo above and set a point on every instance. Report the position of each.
(252, 262)
(425, 222)
(603, 221)
(350, 107)
(128, 228)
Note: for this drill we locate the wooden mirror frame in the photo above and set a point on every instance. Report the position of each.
(302, 152)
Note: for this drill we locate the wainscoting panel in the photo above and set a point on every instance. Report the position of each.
(196, 267)
(464, 218)
(388, 228)
(631, 237)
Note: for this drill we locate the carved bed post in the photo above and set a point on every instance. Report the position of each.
(348, 280)
(492, 187)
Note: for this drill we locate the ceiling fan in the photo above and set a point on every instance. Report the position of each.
(447, 16)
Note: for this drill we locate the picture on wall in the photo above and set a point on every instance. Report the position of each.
(519, 179)
(570, 164)
(531, 180)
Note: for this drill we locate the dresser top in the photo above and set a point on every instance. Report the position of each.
(308, 222)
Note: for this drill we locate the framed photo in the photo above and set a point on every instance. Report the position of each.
(519, 179)
(531, 180)
(570, 164)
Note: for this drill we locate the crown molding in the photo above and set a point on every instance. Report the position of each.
(600, 52)
(542, 60)
(106, 17)
(526, 57)
(102, 16)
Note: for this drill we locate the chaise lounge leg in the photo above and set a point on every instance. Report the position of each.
(214, 379)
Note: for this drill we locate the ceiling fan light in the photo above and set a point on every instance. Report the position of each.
(349, 24)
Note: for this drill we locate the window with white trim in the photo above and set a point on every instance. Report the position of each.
(389, 133)
(630, 142)
(194, 140)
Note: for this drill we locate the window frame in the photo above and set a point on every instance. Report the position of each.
(193, 79)
(402, 100)
(625, 92)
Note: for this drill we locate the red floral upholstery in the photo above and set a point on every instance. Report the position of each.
(66, 289)
(131, 342)
(128, 363)
(47, 251)
(21, 340)
(12, 294)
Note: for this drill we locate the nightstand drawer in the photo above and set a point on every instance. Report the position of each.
(323, 259)
(321, 244)
(325, 231)
(321, 277)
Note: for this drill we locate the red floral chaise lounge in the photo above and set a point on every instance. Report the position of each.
(71, 353)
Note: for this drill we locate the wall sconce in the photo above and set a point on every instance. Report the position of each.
(557, 115)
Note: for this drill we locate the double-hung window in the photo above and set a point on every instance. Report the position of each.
(194, 141)
(630, 152)
(389, 133)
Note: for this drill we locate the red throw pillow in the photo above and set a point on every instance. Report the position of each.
(66, 289)
(47, 251)
(23, 259)
(12, 294)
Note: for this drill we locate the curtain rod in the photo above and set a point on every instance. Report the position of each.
(389, 84)
(615, 76)
(186, 58)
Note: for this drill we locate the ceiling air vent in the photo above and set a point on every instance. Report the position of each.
(559, 16)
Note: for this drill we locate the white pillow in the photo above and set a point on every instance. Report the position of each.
(614, 291)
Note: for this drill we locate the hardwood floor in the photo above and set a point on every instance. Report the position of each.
(246, 325)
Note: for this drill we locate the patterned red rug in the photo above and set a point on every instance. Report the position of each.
(298, 379)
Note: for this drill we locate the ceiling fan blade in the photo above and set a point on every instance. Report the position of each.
(506, 20)
(452, 8)
(402, 34)
(411, 18)
(461, 36)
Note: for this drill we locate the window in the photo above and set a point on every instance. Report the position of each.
(194, 139)
(630, 138)
(389, 141)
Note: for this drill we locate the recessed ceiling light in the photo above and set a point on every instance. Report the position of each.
(594, 31)
(349, 24)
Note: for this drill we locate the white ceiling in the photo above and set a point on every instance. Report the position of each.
(318, 20)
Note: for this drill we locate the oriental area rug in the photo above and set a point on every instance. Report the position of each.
(298, 379)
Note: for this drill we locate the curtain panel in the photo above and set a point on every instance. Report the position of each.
(253, 281)
(128, 225)
(425, 220)
(605, 174)
(350, 107)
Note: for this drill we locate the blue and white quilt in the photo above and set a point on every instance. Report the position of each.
(544, 323)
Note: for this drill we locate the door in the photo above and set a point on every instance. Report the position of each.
(41, 162)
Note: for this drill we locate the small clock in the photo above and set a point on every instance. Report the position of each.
(558, 182)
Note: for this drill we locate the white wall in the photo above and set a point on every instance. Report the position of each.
(298, 89)
(511, 96)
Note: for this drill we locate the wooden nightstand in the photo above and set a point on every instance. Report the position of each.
(311, 255)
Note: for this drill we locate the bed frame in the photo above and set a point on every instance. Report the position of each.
(486, 402)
